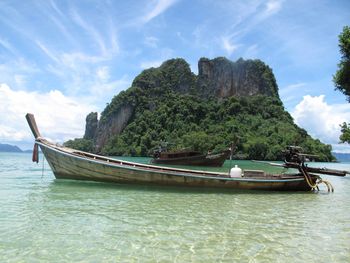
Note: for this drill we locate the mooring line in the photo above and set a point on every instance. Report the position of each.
(43, 168)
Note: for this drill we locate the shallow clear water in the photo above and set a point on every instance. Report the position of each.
(48, 220)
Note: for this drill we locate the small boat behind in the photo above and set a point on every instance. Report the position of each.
(186, 157)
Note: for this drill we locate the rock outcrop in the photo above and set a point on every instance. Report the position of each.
(91, 126)
(223, 78)
(112, 126)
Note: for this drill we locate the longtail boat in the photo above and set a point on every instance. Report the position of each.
(67, 163)
(187, 157)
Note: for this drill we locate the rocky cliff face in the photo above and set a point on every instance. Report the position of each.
(114, 125)
(223, 78)
(219, 77)
(91, 126)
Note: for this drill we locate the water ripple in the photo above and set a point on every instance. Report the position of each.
(48, 220)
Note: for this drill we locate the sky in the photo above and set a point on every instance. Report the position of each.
(63, 59)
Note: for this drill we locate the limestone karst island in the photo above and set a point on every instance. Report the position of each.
(226, 102)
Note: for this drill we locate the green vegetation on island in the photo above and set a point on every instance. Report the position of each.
(263, 127)
(342, 77)
(82, 144)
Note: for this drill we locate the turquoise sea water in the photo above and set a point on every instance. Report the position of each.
(47, 220)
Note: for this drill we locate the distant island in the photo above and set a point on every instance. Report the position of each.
(226, 102)
(12, 148)
(342, 157)
(9, 148)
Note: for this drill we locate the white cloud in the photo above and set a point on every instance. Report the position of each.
(47, 51)
(321, 119)
(79, 71)
(272, 7)
(292, 87)
(103, 89)
(16, 72)
(90, 30)
(251, 51)
(20, 80)
(228, 46)
(292, 92)
(55, 7)
(180, 36)
(72, 60)
(60, 22)
(151, 41)
(8, 46)
(159, 7)
(246, 17)
(103, 73)
(59, 117)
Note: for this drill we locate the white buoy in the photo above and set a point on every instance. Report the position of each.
(236, 172)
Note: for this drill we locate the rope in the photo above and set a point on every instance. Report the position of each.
(319, 180)
(308, 179)
(328, 184)
(43, 168)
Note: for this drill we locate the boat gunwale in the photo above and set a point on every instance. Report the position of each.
(155, 169)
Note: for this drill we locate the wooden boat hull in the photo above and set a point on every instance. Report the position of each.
(213, 160)
(70, 164)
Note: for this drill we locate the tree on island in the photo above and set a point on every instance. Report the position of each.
(342, 77)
